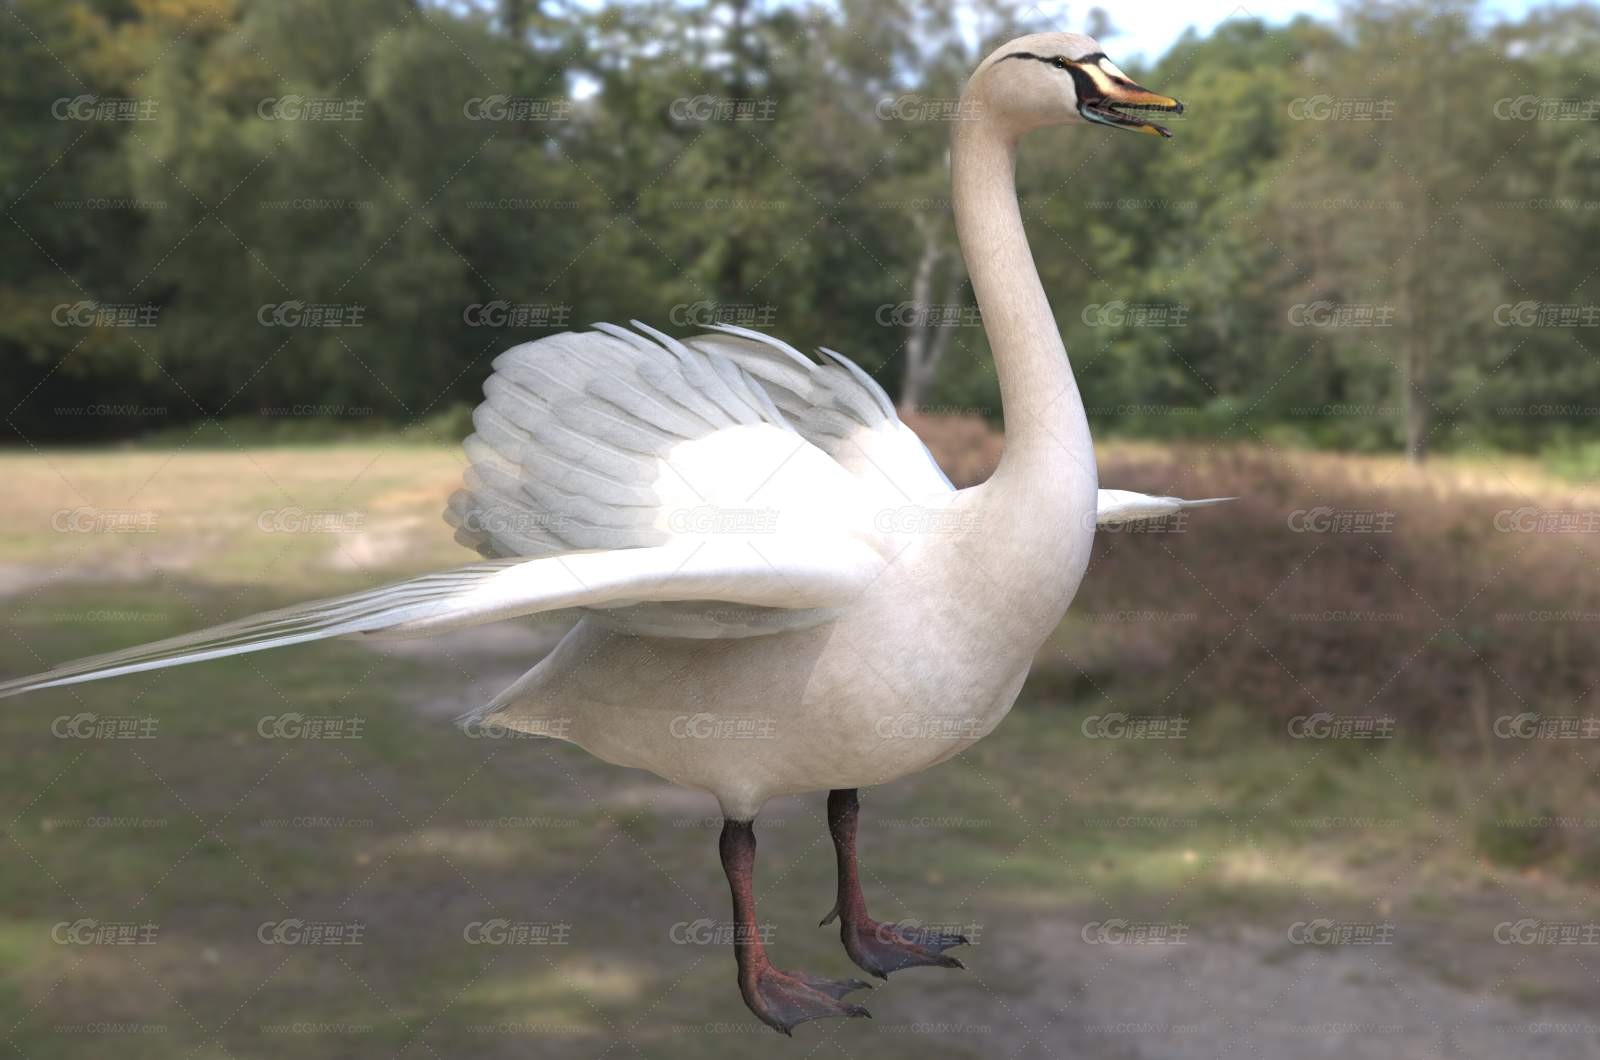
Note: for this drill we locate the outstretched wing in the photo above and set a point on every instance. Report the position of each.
(598, 439)
(589, 440)
(620, 439)
(780, 575)
(633, 477)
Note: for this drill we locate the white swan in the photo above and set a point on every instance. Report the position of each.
(779, 591)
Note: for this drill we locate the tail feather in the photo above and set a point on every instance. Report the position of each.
(362, 612)
(1117, 507)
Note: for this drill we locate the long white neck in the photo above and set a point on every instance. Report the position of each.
(1048, 462)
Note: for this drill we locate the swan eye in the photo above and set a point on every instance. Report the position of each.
(1059, 63)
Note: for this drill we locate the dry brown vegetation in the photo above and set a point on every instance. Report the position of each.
(1448, 616)
(1430, 615)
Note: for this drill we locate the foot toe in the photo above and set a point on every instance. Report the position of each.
(884, 948)
(834, 988)
(936, 941)
(784, 1000)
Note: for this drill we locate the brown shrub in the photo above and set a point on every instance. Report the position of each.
(1435, 618)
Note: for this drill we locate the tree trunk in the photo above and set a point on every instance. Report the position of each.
(1418, 407)
(926, 343)
(514, 13)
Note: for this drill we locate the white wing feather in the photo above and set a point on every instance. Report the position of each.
(618, 438)
(837, 407)
(814, 576)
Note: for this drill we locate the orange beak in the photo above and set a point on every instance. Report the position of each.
(1118, 102)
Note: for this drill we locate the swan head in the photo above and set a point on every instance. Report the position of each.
(1063, 79)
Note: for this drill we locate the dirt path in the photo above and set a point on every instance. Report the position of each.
(1044, 993)
(1036, 988)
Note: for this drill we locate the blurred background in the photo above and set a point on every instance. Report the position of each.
(1312, 774)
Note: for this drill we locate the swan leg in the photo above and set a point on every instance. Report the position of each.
(779, 999)
(876, 948)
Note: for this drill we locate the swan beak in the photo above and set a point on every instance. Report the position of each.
(1124, 105)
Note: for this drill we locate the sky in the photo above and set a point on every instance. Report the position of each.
(1151, 27)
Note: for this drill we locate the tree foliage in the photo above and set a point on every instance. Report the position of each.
(1340, 246)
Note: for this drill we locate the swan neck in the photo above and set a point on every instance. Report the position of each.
(1044, 415)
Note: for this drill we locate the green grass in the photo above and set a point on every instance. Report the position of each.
(1231, 828)
(1037, 821)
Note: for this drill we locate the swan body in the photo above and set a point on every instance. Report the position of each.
(776, 589)
(920, 664)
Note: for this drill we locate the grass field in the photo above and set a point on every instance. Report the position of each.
(193, 815)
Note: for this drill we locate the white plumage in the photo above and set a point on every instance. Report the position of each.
(1119, 507)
